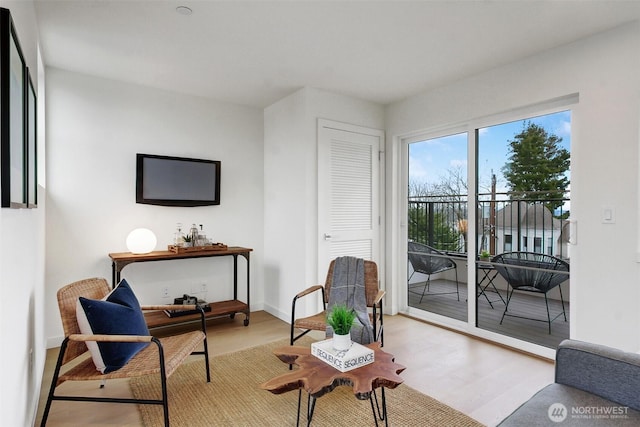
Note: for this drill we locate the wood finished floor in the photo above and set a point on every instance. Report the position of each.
(522, 303)
(480, 379)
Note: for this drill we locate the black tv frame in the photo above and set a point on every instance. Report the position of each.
(140, 197)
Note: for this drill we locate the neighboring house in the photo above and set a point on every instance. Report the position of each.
(528, 227)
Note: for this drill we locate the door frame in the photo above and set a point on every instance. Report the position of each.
(398, 225)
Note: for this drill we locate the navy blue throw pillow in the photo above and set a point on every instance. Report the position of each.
(118, 313)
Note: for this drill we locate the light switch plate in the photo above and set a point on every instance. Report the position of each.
(608, 215)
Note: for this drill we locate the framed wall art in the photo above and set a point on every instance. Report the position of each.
(32, 148)
(13, 117)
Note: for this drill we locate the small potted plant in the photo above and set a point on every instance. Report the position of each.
(341, 318)
(485, 256)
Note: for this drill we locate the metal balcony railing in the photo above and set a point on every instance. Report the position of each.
(504, 224)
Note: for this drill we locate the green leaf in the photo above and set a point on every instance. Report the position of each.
(341, 318)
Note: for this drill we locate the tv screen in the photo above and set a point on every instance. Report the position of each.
(177, 181)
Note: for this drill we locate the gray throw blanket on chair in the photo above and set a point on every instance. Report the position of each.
(347, 287)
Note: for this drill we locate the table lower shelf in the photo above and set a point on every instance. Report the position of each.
(159, 319)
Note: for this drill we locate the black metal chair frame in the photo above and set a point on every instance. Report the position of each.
(377, 321)
(427, 260)
(532, 272)
(163, 378)
(377, 315)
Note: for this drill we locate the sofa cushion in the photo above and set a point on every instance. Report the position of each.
(118, 313)
(565, 406)
(610, 373)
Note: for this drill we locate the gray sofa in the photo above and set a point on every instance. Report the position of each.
(594, 385)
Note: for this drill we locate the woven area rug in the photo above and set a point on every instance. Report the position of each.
(234, 398)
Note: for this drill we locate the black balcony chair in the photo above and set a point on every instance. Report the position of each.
(427, 260)
(532, 272)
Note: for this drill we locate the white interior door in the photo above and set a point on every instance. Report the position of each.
(348, 192)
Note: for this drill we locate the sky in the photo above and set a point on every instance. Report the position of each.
(430, 160)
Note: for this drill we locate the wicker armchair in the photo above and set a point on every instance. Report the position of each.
(532, 272)
(427, 260)
(318, 322)
(163, 358)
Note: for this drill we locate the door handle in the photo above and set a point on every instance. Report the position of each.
(327, 236)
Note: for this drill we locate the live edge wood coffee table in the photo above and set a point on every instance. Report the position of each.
(318, 378)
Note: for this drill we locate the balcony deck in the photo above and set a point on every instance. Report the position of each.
(522, 303)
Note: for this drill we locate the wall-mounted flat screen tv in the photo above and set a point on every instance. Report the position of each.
(177, 181)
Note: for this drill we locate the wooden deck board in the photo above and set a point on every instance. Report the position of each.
(522, 303)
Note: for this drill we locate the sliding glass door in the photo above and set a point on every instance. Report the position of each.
(521, 196)
(437, 226)
(523, 207)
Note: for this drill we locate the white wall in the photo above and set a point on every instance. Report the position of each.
(291, 196)
(96, 127)
(22, 270)
(604, 70)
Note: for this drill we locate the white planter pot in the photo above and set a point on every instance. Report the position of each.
(341, 342)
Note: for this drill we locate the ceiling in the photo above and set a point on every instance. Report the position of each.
(255, 53)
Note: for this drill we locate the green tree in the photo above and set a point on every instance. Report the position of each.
(437, 211)
(537, 166)
(445, 236)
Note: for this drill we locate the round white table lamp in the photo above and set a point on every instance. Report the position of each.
(141, 241)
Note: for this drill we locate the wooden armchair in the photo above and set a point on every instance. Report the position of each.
(163, 357)
(318, 321)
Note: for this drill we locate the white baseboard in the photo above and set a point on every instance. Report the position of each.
(53, 342)
(285, 317)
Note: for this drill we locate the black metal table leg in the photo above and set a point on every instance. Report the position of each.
(481, 289)
(311, 406)
(375, 408)
(486, 270)
(299, 399)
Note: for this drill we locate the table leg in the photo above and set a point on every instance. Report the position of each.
(487, 277)
(481, 289)
(490, 283)
(311, 406)
(299, 399)
(113, 274)
(246, 257)
(377, 413)
(235, 283)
